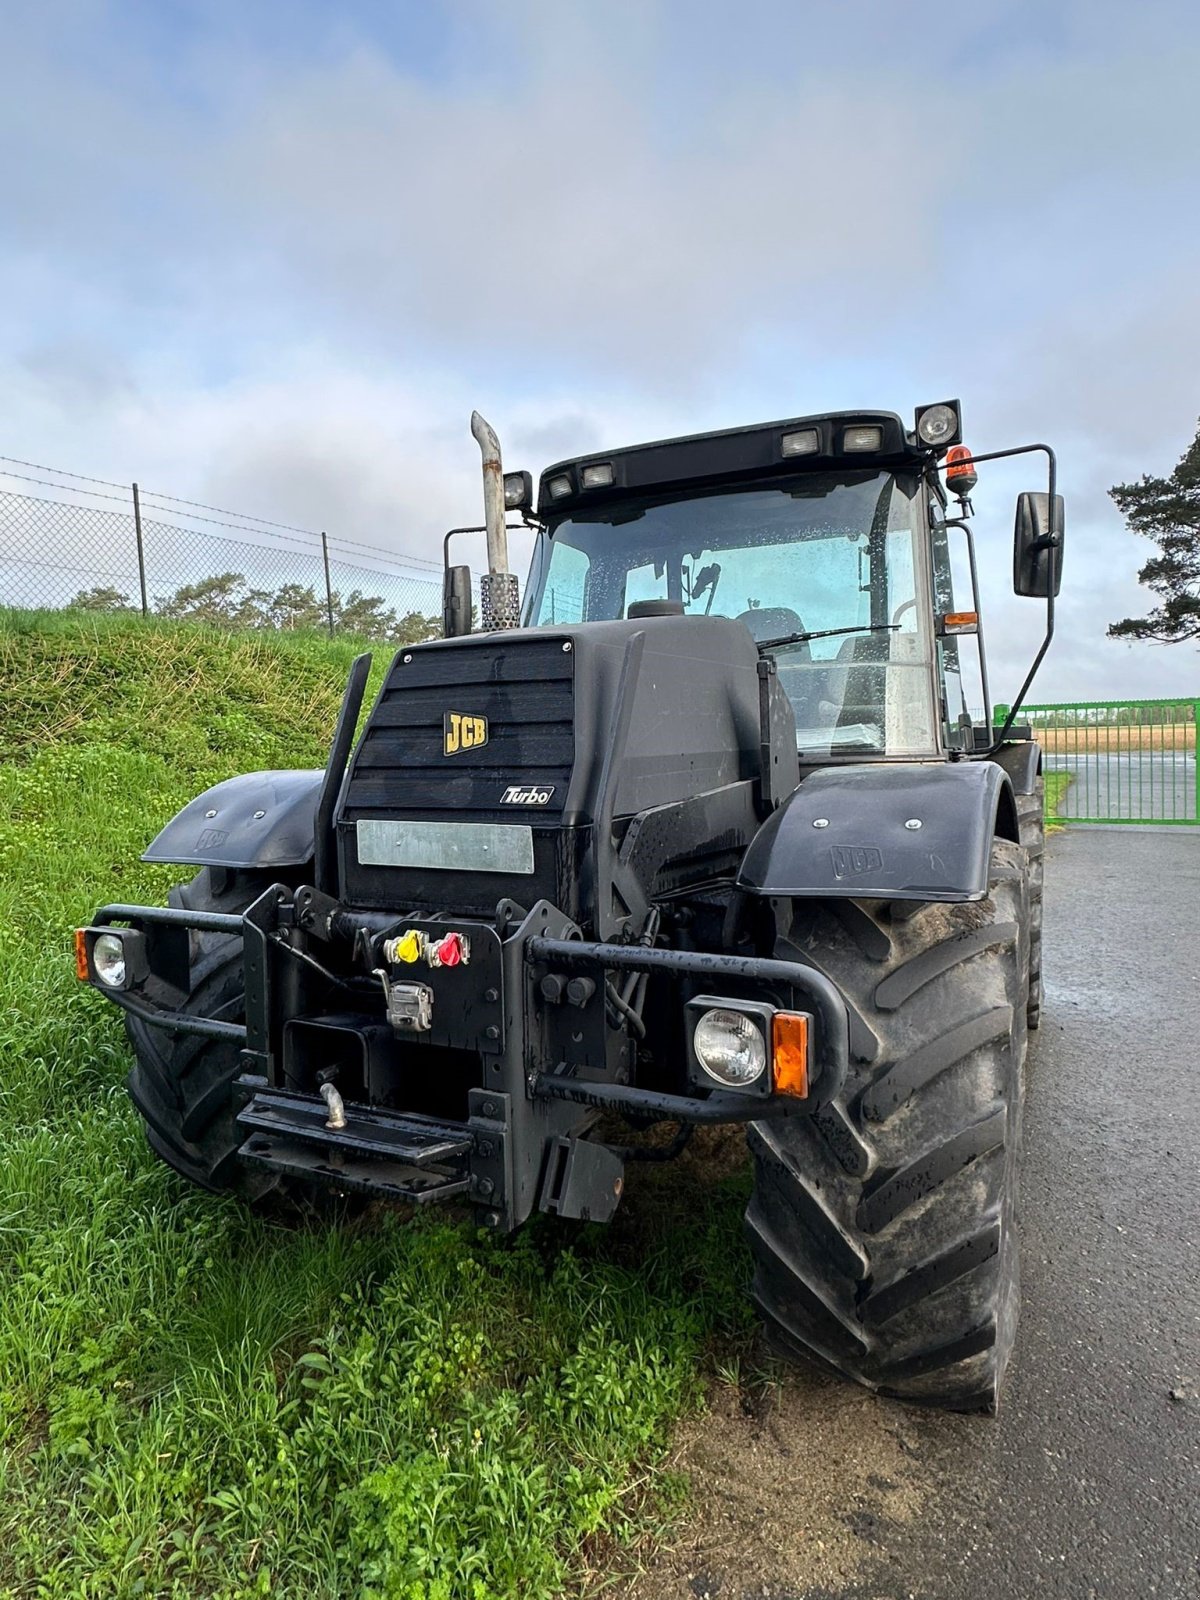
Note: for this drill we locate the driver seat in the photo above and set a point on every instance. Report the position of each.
(772, 622)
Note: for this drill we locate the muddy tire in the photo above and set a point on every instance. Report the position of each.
(181, 1084)
(1031, 814)
(884, 1228)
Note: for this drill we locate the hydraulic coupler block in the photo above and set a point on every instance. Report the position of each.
(453, 949)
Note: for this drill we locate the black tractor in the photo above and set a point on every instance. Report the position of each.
(703, 833)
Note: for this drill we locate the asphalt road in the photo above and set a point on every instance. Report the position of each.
(1087, 1484)
(1159, 784)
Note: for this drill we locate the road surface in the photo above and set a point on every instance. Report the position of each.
(1149, 784)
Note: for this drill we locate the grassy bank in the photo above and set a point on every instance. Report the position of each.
(196, 1401)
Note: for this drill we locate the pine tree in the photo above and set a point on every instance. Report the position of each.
(1166, 510)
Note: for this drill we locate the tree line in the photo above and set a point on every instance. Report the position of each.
(228, 601)
(1136, 714)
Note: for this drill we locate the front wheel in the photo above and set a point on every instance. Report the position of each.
(182, 1083)
(884, 1227)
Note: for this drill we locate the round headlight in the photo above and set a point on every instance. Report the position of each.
(108, 960)
(937, 425)
(730, 1047)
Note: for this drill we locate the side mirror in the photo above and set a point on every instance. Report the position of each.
(456, 602)
(1038, 544)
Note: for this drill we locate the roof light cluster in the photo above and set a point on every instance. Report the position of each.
(854, 438)
(592, 475)
(739, 453)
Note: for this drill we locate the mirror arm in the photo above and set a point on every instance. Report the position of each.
(1029, 676)
(511, 527)
(1054, 546)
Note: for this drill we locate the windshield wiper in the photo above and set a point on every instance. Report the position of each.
(827, 633)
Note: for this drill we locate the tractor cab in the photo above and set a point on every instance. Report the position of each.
(829, 572)
(827, 537)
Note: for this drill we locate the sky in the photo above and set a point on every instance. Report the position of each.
(270, 256)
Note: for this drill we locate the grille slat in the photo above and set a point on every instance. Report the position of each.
(479, 790)
(424, 705)
(422, 747)
(542, 660)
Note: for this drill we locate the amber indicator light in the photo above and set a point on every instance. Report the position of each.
(789, 1037)
(81, 960)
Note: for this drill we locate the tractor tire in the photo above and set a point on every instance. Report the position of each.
(183, 1084)
(884, 1227)
(1031, 815)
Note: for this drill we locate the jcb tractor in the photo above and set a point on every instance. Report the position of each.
(702, 832)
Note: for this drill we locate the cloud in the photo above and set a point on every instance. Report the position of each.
(275, 267)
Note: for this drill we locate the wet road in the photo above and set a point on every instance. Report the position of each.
(1087, 1485)
(1150, 784)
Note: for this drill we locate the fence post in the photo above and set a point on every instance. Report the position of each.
(141, 551)
(328, 584)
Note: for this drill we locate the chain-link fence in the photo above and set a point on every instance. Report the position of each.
(102, 547)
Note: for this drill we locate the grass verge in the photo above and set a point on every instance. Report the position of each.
(200, 1401)
(1056, 786)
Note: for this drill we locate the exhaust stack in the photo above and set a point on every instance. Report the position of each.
(499, 601)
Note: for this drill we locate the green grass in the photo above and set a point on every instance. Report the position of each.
(1057, 784)
(197, 1401)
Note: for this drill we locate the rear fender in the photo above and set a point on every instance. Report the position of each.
(1022, 761)
(886, 831)
(260, 819)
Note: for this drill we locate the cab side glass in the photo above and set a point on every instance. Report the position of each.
(564, 598)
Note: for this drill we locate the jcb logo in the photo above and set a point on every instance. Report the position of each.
(852, 860)
(461, 731)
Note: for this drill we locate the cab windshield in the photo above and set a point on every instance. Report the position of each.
(833, 556)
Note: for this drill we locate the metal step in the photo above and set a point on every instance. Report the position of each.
(402, 1157)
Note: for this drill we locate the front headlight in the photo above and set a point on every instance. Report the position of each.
(108, 960)
(730, 1047)
(113, 958)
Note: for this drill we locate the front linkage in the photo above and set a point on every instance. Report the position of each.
(352, 1017)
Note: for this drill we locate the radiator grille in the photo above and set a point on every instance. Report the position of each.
(525, 689)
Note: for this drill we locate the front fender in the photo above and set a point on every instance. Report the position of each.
(886, 831)
(260, 819)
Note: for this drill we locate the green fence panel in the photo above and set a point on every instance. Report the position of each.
(1124, 761)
